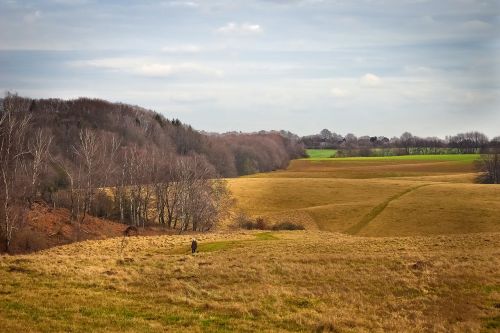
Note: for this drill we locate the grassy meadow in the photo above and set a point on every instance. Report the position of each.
(398, 244)
(256, 281)
(373, 196)
(321, 153)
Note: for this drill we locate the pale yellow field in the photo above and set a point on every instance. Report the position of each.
(367, 197)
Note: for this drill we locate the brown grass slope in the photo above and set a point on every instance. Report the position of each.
(363, 169)
(286, 281)
(440, 209)
(48, 227)
(374, 198)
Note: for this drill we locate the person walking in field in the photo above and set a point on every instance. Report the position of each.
(194, 245)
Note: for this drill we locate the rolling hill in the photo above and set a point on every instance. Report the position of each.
(394, 244)
(392, 196)
(257, 281)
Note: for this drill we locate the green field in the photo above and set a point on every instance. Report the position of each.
(320, 153)
(327, 154)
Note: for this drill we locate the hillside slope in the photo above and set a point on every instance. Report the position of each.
(400, 196)
(231, 154)
(47, 227)
(286, 281)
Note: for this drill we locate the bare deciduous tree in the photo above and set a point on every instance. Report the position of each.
(203, 198)
(489, 166)
(38, 148)
(14, 185)
(87, 152)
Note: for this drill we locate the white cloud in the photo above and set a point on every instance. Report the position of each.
(427, 19)
(338, 92)
(189, 4)
(370, 80)
(419, 71)
(147, 67)
(240, 29)
(163, 70)
(33, 16)
(70, 2)
(184, 97)
(181, 49)
(476, 25)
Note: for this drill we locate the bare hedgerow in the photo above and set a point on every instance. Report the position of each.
(245, 222)
(489, 167)
(287, 225)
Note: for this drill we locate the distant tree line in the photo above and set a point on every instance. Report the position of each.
(406, 144)
(123, 162)
(472, 142)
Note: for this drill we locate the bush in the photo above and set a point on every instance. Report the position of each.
(103, 205)
(365, 152)
(260, 224)
(287, 225)
(245, 222)
(489, 167)
(27, 240)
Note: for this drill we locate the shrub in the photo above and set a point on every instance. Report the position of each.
(365, 152)
(245, 222)
(103, 205)
(260, 224)
(489, 167)
(27, 240)
(287, 225)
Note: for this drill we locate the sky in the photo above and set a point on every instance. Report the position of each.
(369, 67)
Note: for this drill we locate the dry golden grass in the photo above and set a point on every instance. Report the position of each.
(359, 168)
(468, 177)
(333, 204)
(286, 281)
(375, 196)
(440, 209)
(443, 277)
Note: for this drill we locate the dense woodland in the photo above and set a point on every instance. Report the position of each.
(231, 155)
(407, 144)
(124, 163)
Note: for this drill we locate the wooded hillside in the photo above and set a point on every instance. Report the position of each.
(122, 162)
(231, 154)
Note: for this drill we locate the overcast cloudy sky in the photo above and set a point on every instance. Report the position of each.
(376, 67)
